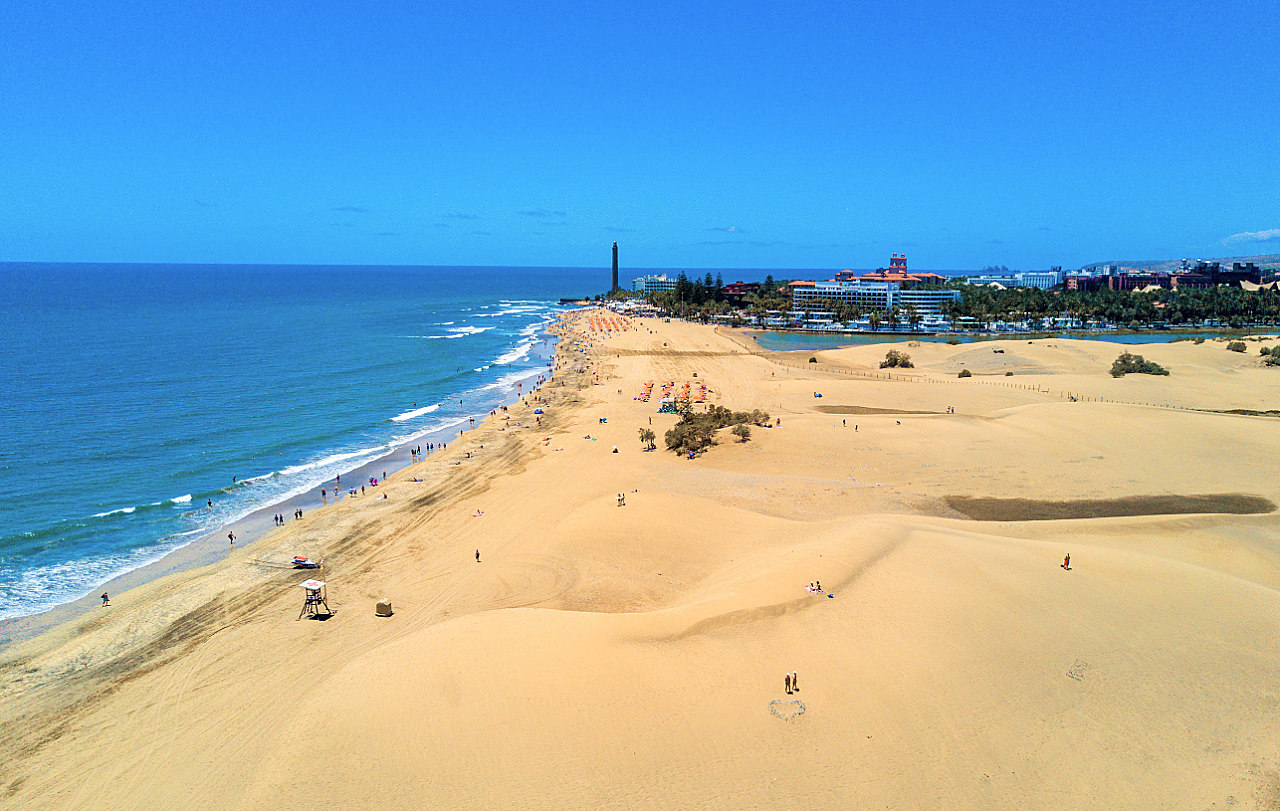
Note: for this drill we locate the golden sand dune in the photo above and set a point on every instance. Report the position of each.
(633, 656)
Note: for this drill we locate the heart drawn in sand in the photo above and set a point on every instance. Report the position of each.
(786, 710)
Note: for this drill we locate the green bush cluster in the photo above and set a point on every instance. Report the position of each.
(1270, 355)
(965, 373)
(1128, 363)
(1236, 346)
(697, 432)
(894, 359)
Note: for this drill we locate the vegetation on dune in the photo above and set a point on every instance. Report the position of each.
(894, 359)
(1236, 346)
(648, 438)
(965, 373)
(1270, 355)
(697, 432)
(742, 432)
(1129, 363)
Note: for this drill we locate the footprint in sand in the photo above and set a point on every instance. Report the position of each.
(1077, 670)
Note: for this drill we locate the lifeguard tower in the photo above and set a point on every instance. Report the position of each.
(315, 599)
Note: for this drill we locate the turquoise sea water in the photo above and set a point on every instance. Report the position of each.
(133, 394)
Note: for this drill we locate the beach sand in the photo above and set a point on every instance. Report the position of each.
(633, 657)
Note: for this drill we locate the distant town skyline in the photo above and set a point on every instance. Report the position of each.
(697, 136)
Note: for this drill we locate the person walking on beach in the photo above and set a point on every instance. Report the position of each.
(477, 556)
(795, 682)
(1066, 562)
(786, 681)
(232, 536)
(105, 601)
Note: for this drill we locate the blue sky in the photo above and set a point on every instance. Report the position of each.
(695, 134)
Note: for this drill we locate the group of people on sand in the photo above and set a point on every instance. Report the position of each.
(815, 587)
(279, 517)
(792, 682)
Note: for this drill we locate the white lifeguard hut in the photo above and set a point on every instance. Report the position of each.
(315, 599)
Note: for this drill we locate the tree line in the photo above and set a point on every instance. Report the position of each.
(702, 298)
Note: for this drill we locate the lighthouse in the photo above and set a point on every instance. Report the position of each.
(615, 267)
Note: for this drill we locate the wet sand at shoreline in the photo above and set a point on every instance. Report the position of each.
(634, 656)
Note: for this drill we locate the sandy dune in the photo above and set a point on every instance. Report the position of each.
(633, 657)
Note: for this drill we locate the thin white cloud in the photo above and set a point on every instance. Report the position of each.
(1269, 235)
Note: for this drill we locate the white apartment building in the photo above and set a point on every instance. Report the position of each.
(1043, 279)
(878, 296)
(653, 284)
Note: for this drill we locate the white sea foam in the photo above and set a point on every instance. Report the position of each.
(121, 511)
(518, 309)
(334, 459)
(508, 380)
(181, 499)
(469, 330)
(511, 356)
(417, 412)
(430, 429)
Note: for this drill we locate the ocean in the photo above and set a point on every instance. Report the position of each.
(134, 396)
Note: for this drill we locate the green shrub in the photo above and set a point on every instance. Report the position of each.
(1272, 360)
(742, 432)
(1236, 346)
(965, 373)
(697, 432)
(1129, 363)
(647, 437)
(1008, 374)
(1199, 339)
(813, 359)
(894, 359)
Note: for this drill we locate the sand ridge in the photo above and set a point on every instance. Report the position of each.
(629, 656)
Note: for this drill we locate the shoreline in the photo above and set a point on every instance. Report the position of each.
(253, 527)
